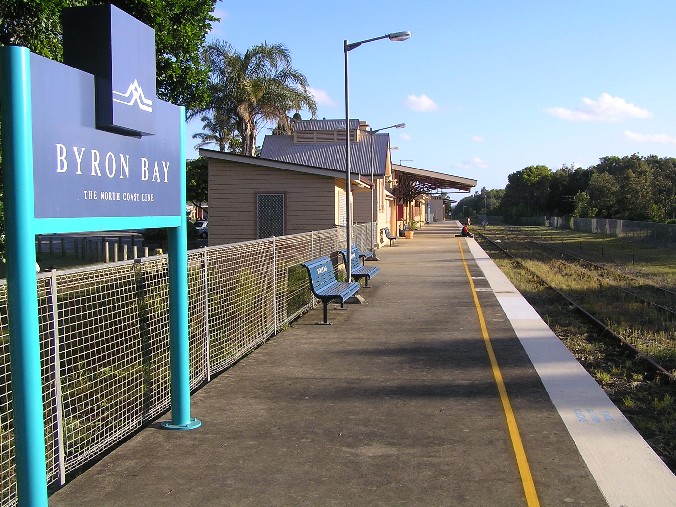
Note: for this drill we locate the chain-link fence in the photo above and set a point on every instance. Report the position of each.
(104, 338)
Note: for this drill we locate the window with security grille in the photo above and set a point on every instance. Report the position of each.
(270, 214)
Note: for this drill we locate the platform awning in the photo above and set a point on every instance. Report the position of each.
(411, 182)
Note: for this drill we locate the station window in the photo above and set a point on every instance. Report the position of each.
(270, 213)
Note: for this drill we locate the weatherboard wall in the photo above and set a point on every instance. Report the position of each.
(311, 200)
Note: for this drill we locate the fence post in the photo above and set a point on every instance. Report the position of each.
(274, 281)
(205, 284)
(58, 402)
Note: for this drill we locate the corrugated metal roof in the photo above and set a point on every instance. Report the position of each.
(320, 125)
(330, 155)
(274, 164)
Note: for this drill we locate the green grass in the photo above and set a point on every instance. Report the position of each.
(655, 262)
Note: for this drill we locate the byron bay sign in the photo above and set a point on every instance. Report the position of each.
(104, 145)
(87, 146)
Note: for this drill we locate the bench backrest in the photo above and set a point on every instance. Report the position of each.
(387, 232)
(321, 272)
(354, 258)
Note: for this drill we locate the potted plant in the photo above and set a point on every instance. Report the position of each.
(410, 227)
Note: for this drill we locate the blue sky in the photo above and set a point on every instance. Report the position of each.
(486, 88)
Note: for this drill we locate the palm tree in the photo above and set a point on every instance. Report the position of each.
(255, 88)
(218, 129)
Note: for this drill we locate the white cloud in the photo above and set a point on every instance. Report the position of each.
(478, 139)
(606, 108)
(473, 163)
(218, 28)
(649, 138)
(405, 137)
(221, 14)
(321, 97)
(421, 103)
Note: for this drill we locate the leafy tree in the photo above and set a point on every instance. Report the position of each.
(635, 195)
(197, 182)
(180, 31)
(603, 192)
(564, 185)
(494, 200)
(35, 25)
(464, 208)
(486, 202)
(583, 207)
(634, 175)
(527, 192)
(663, 207)
(254, 88)
(218, 129)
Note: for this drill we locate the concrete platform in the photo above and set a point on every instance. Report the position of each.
(396, 403)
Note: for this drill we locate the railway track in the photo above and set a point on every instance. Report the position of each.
(639, 302)
(656, 292)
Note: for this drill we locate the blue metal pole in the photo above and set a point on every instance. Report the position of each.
(17, 152)
(179, 353)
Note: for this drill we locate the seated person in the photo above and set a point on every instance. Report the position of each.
(465, 232)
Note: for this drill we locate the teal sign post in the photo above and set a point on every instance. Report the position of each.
(87, 146)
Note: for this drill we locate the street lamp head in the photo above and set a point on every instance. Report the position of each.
(399, 36)
(397, 126)
(396, 36)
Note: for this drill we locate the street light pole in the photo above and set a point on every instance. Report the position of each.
(347, 47)
(348, 189)
(374, 219)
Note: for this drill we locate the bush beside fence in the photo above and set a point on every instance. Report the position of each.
(104, 338)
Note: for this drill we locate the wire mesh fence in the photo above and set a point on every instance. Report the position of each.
(104, 338)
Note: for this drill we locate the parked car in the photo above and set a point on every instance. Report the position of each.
(202, 227)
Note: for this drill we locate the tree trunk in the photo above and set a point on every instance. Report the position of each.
(247, 131)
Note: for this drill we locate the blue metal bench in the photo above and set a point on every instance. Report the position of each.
(389, 235)
(325, 286)
(357, 269)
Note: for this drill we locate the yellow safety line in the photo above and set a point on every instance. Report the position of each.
(517, 444)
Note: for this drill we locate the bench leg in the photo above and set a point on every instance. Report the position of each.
(366, 281)
(326, 313)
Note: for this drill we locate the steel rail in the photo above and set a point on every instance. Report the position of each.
(609, 273)
(604, 328)
(601, 267)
